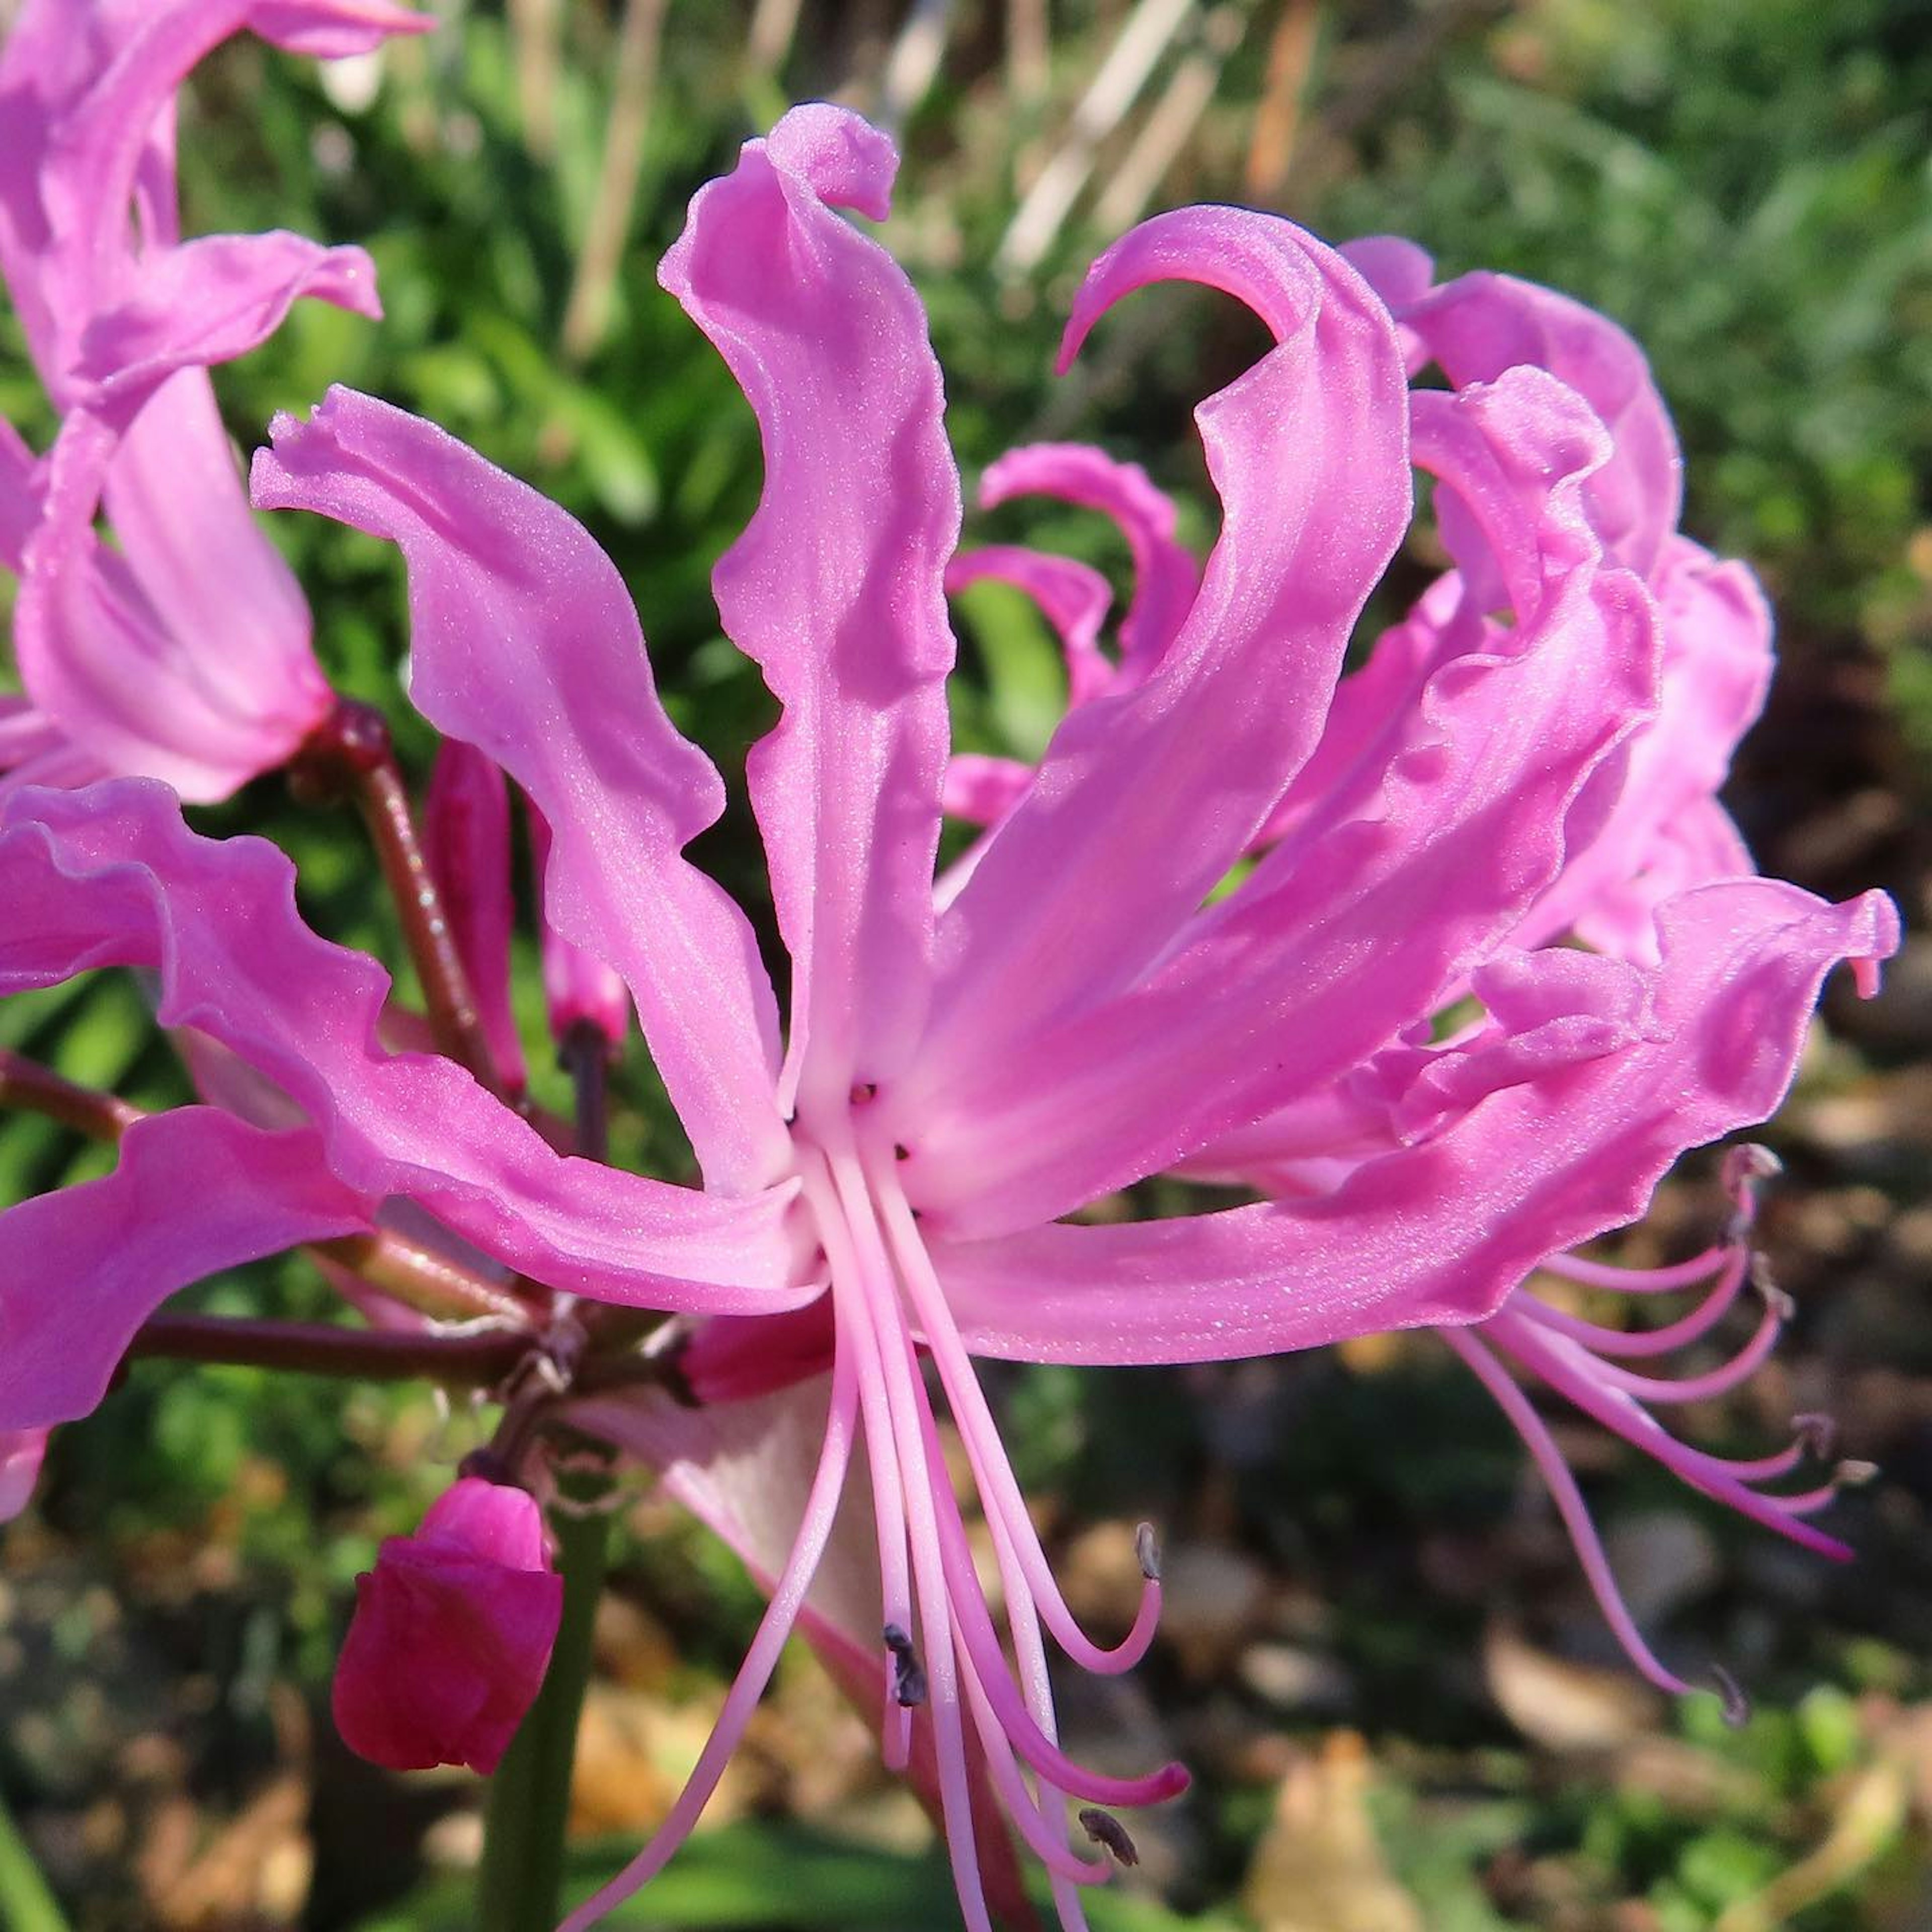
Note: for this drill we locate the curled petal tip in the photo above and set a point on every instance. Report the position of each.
(845, 160)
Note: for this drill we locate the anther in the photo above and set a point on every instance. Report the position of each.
(1853, 1474)
(1773, 1297)
(1146, 1547)
(1817, 1431)
(1744, 1168)
(1104, 1828)
(1737, 1705)
(909, 1674)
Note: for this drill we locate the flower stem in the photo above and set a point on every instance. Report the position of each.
(27, 1904)
(520, 1884)
(350, 755)
(324, 1349)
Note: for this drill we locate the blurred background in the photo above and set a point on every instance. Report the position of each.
(1403, 1714)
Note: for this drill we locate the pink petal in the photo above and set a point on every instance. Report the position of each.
(21, 1453)
(20, 486)
(452, 1634)
(835, 588)
(1072, 597)
(1479, 325)
(1166, 576)
(578, 989)
(524, 644)
(1667, 832)
(195, 1191)
(467, 841)
(1144, 799)
(1383, 898)
(111, 877)
(1441, 1232)
(207, 301)
(130, 678)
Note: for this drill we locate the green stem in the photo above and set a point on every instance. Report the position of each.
(26, 1904)
(521, 1883)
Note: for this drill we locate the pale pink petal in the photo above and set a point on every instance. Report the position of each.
(524, 643)
(22, 1451)
(1144, 799)
(1165, 575)
(1386, 893)
(1072, 597)
(229, 605)
(1479, 325)
(466, 834)
(195, 1191)
(1441, 1232)
(578, 988)
(111, 877)
(138, 694)
(86, 96)
(835, 589)
(19, 495)
(208, 301)
(1666, 831)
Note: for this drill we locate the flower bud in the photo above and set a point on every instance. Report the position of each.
(451, 1634)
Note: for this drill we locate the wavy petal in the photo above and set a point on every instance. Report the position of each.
(195, 1191)
(1165, 575)
(1479, 325)
(111, 877)
(524, 643)
(1385, 894)
(205, 302)
(1144, 799)
(835, 587)
(467, 841)
(1440, 1233)
(138, 691)
(20, 490)
(1667, 832)
(1072, 597)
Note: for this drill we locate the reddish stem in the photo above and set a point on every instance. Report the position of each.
(350, 753)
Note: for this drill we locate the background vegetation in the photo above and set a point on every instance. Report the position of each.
(1379, 1658)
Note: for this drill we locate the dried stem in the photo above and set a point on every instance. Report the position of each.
(324, 1349)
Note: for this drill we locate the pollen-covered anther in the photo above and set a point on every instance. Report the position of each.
(1104, 1828)
(1775, 1298)
(1817, 1432)
(1147, 1548)
(909, 1688)
(1853, 1473)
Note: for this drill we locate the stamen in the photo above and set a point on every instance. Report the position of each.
(1104, 1828)
(1745, 1168)
(787, 1598)
(1629, 1342)
(1640, 1281)
(1720, 1380)
(999, 1490)
(1818, 1432)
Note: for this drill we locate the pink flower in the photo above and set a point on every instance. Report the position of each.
(451, 1634)
(899, 1164)
(1665, 832)
(184, 653)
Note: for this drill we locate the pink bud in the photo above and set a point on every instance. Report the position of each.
(576, 986)
(451, 1634)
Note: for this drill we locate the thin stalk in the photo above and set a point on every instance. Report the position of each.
(520, 1883)
(25, 1087)
(324, 1348)
(350, 755)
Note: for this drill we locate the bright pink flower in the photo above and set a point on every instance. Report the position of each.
(182, 653)
(900, 1161)
(451, 1634)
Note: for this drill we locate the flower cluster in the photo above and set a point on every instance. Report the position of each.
(1383, 1029)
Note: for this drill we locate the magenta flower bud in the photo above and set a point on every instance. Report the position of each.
(578, 987)
(451, 1634)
